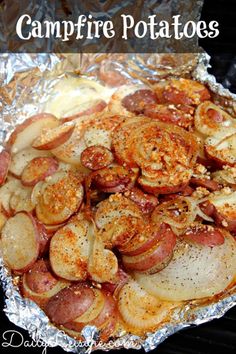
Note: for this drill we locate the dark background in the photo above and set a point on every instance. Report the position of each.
(217, 336)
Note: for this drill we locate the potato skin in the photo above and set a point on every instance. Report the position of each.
(39, 278)
(60, 137)
(38, 170)
(69, 303)
(21, 127)
(105, 321)
(5, 159)
(39, 284)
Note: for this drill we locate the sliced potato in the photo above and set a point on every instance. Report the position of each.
(6, 192)
(210, 119)
(69, 251)
(222, 150)
(39, 284)
(20, 200)
(26, 132)
(71, 150)
(21, 159)
(114, 207)
(20, 242)
(52, 138)
(38, 170)
(5, 159)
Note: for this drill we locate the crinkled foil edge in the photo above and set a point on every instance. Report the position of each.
(25, 313)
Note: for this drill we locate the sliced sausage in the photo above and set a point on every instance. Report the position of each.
(96, 157)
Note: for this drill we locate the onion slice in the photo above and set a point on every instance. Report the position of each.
(195, 272)
(141, 310)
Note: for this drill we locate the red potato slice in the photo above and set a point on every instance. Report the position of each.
(52, 138)
(181, 91)
(70, 151)
(39, 284)
(26, 132)
(36, 192)
(44, 237)
(121, 231)
(86, 109)
(115, 207)
(195, 272)
(223, 151)
(226, 176)
(140, 310)
(101, 314)
(66, 167)
(23, 157)
(145, 239)
(38, 170)
(6, 192)
(69, 251)
(70, 303)
(210, 119)
(59, 198)
(102, 263)
(5, 160)
(20, 200)
(42, 299)
(39, 278)
(108, 311)
(97, 136)
(20, 242)
(145, 202)
(154, 259)
(89, 130)
(224, 208)
(98, 130)
(96, 157)
(204, 235)
(107, 319)
(94, 310)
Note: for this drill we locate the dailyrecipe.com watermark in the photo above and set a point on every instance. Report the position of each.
(15, 339)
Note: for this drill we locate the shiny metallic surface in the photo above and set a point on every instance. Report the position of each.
(27, 82)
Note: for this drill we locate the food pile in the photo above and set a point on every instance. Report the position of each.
(117, 214)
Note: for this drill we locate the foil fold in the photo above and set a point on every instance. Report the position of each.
(26, 83)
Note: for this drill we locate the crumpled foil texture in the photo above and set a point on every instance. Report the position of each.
(26, 82)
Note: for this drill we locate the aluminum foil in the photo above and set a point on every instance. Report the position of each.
(26, 84)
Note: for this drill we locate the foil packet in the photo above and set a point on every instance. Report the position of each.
(27, 82)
